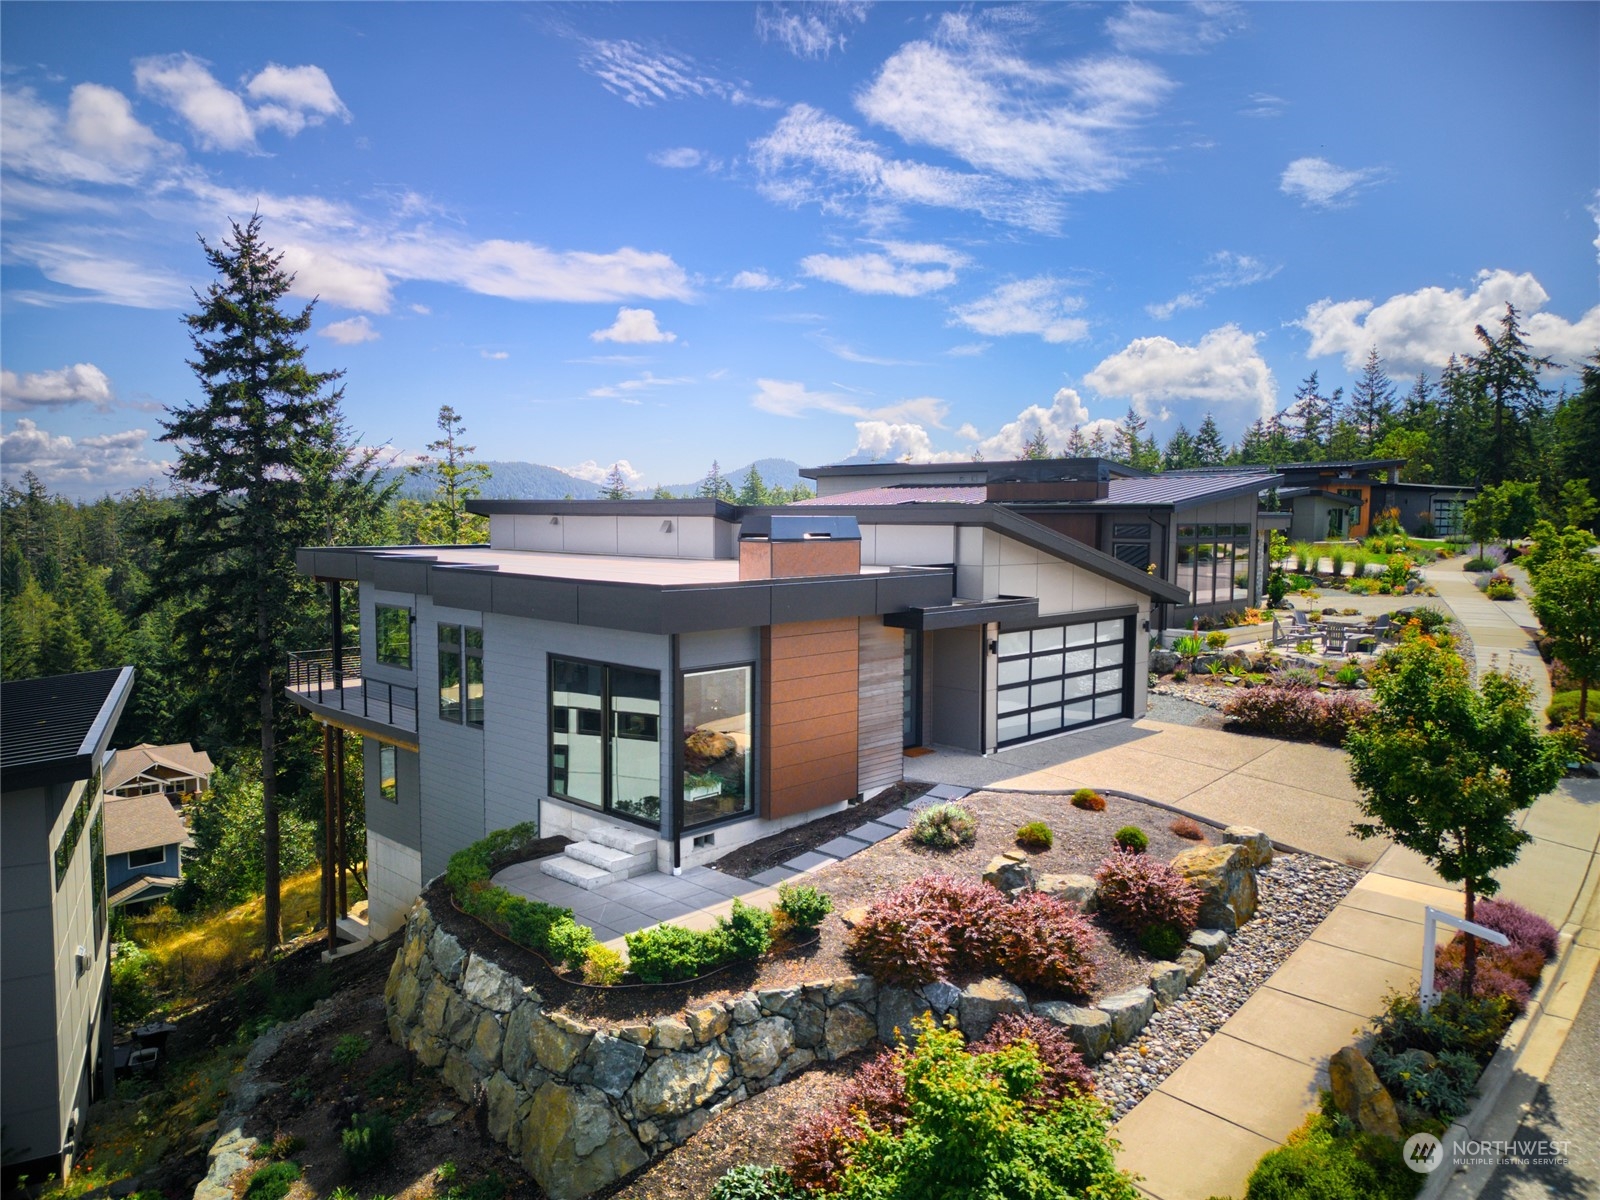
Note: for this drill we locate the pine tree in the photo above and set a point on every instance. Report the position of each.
(1076, 446)
(1129, 439)
(265, 465)
(1309, 420)
(444, 520)
(616, 487)
(1372, 403)
(1253, 446)
(1209, 447)
(1037, 447)
(662, 492)
(715, 485)
(754, 492)
(1577, 428)
(1180, 453)
(1506, 375)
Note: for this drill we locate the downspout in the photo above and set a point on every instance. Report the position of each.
(336, 606)
(675, 769)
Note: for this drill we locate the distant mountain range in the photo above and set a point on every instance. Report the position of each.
(532, 481)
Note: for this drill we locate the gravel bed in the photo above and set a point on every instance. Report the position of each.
(1297, 892)
(1194, 693)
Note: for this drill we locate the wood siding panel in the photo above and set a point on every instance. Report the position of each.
(881, 673)
(809, 723)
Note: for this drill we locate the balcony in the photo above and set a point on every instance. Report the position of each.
(367, 705)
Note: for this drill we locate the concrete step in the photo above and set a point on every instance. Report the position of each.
(627, 840)
(580, 874)
(610, 859)
(353, 929)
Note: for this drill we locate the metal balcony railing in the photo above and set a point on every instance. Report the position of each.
(312, 677)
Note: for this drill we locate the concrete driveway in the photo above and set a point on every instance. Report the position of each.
(1300, 794)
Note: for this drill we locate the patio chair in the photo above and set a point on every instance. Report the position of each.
(1381, 627)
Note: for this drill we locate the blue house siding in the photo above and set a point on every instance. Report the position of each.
(118, 872)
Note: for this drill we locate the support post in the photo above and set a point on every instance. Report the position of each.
(1426, 994)
(338, 808)
(329, 851)
(336, 611)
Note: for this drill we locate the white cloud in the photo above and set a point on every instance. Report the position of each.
(1190, 29)
(596, 472)
(897, 441)
(680, 158)
(624, 390)
(351, 332)
(1263, 104)
(972, 93)
(1066, 410)
(89, 466)
(103, 278)
(494, 355)
(787, 398)
(1227, 270)
(1420, 330)
(81, 383)
(633, 325)
(1224, 371)
(422, 310)
(290, 99)
(897, 272)
(891, 440)
(968, 349)
(754, 281)
(809, 30)
(847, 352)
(1039, 306)
(326, 274)
(644, 77)
(1319, 183)
(97, 141)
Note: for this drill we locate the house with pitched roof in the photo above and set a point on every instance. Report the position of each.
(145, 838)
(148, 770)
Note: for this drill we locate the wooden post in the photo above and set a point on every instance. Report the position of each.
(330, 921)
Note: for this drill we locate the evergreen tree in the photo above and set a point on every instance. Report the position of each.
(265, 464)
(444, 520)
(616, 487)
(1037, 446)
(1310, 420)
(1577, 427)
(1180, 453)
(1505, 373)
(1130, 445)
(1255, 446)
(662, 492)
(715, 485)
(1076, 446)
(1371, 403)
(1208, 444)
(754, 492)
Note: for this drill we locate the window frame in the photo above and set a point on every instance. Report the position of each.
(160, 858)
(607, 733)
(462, 650)
(681, 772)
(378, 609)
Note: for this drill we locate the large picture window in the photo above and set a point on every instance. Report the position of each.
(605, 737)
(461, 674)
(393, 627)
(1214, 563)
(717, 745)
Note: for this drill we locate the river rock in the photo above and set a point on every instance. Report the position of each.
(985, 1002)
(1088, 1027)
(1359, 1094)
(1213, 943)
(574, 1144)
(1257, 845)
(1226, 882)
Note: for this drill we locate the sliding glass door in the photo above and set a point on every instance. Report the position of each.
(605, 738)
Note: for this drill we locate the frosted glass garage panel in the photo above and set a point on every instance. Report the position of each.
(1013, 643)
(1107, 706)
(1044, 721)
(1076, 661)
(1047, 639)
(1012, 728)
(1105, 631)
(1109, 656)
(1108, 681)
(1013, 700)
(1077, 714)
(1045, 693)
(1079, 635)
(1013, 671)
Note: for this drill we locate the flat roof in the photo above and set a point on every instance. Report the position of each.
(697, 507)
(1007, 470)
(1156, 490)
(55, 729)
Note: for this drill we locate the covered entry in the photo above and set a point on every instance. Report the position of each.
(1061, 675)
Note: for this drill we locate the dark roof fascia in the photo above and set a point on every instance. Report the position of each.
(1432, 487)
(962, 616)
(646, 607)
(1002, 519)
(1350, 464)
(87, 760)
(982, 467)
(720, 509)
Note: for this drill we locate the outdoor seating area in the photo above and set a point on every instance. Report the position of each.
(1332, 635)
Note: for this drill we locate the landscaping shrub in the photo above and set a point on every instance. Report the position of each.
(744, 934)
(751, 1182)
(1045, 942)
(1136, 892)
(1188, 827)
(1479, 564)
(1348, 675)
(526, 922)
(1297, 713)
(1089, 800)
(1431, 619)
(1066, 1074)
(1130, 839)
(369, 1142)
(1217, 639)
(874, 1098)
(1500, 587)
(1162, 942)
(929, 928)
(667, 953)
(1298, 677)
(1325, 1159)
(1562, 710)
(272, 1182)
(1517, 923)
(803, 904)
(944, 827)
(1035, 835)
(602, 965)
(1491, 980)
(347, 1051)
(132, 997)
(1456, 1024)
(569, 943)
(1179, 675)
(1437, 1086)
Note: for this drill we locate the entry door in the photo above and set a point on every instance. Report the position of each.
(1060, 676)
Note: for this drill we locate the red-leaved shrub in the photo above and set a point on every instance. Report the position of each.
(822, 1145)
(1517, 923)
(1302, 714)
(928, 929)
(1136, 891)
(1044, 941)
(1066, 1072)
(1089, 800)
(1188, 827)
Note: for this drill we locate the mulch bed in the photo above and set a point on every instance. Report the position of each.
(755, 857)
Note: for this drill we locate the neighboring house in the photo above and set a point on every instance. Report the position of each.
(55, 971)
(1337, 500)
(145, 836)
(146, 770)
(665, 680)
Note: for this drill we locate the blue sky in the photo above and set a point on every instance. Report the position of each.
(666, 233)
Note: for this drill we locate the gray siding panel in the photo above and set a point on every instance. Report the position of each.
(399, 819)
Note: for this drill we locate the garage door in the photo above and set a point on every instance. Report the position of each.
(1060, 676)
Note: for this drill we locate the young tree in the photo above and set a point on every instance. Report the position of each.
(616, 487)
(754, 492)
(1444, 768)
(662, 492)
(444, 520)
(265, 465)
(715, 485)
(1209, 447)
(1371, 403)
(1037, 446)
(1566, 600)
(1481, 517)
(1577, 507)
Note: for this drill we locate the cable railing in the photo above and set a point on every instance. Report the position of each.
(312, 675)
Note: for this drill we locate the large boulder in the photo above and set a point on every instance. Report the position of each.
(1168, 980)
(848, 1029)
(897, 1010)
(1088, 1027)
(676, 1083)
(488, 986)
(1226, 882)
(1009, 872)
(1075, 889)
(613, 1063)
(574, 1144)
(1258, 846)
(1212, 943)
(985, 1002)
(1129, 1011)
(1165, 662)
(1359, 1094)
(759, 1047)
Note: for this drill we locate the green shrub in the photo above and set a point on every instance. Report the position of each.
(1349, 675)
(1179, 675)
(1479, 564)
(272, 1182)
(666, 953)
(1130, 839)
(944, 827)
(1089, 800)
(1457, 1024)
(1189, 645)
(1035, 835)
(1562, 710)
(803, 904)
(1501, 590)
(1217, 639)
(527, 922)
(347, 1051)
(746, 933)
(1438, 1086)
(1162, 942)
(132, 997)
(751, 1182)
(369, 1142)
(569, 943)
(602, 965)
(1322, 1161)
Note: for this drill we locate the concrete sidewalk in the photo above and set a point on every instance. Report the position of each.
(1502, 631)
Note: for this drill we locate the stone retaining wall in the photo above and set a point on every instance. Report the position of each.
(581, 1106)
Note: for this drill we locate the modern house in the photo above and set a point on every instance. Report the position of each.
(145, 837)
(664, 680)
(1337, 500)
(146, 770)
(55, 971)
